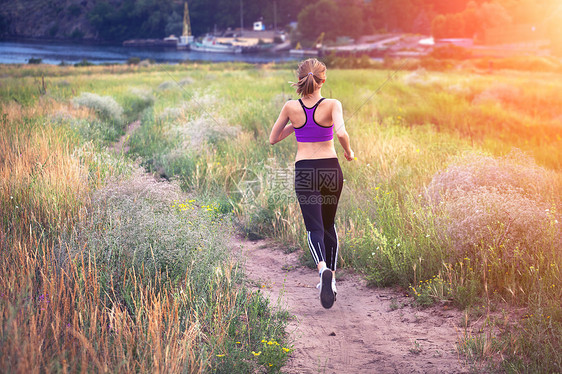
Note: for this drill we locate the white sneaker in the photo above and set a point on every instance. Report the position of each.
(327, 296)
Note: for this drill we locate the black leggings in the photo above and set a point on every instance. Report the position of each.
(318, 184)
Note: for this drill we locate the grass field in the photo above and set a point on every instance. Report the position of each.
(455, 196)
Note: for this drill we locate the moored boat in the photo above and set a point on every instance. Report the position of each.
(210, 44)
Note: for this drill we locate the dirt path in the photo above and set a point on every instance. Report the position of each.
(122, 146)
(366, 331)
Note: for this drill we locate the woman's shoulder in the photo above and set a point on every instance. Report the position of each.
(292, 105)
(332, 102)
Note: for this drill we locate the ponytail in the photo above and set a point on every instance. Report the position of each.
(311, 73)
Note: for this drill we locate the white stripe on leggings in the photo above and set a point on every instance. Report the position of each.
(335, 258)
(311, 247)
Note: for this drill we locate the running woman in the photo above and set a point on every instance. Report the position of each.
(318, 176)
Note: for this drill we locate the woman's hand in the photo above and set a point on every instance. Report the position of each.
(349, 156)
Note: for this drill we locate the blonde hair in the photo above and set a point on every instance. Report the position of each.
(311, 74)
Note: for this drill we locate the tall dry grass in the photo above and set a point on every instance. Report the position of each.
(82, 291)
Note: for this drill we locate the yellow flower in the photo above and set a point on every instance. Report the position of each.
(220, 355)
(286, 349)
(256, 354)
(264, 341)
(270, 364)
(238, 343)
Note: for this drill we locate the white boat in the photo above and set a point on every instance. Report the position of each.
(303, 52)
(185, 42)
(186, 39)
(210, 44)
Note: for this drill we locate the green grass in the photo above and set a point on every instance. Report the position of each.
(437, 201)
(107, 266)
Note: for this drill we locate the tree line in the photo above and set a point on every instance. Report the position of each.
(442, 18)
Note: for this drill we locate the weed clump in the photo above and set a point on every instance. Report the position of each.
(499, 92)
(502, 215)
(166, 85)
(105, 106)
(146, 225)
(205, 130)
(186, 81)
(516, 171)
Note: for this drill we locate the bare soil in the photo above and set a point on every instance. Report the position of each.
(122, 145)
(368, 330)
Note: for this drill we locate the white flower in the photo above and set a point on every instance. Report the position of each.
(427, 236)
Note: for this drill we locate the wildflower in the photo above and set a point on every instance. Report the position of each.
(220, 355)
(264, 341)
(270, 364)
(285, 349)
(256, 354)
(238, 343)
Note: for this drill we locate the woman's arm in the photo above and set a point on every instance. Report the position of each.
(339, 128)
(281, 129)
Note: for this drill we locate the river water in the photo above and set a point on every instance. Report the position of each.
(54, 53)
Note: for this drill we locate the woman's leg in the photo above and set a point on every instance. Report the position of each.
(311, 177)
(310, 201)
(331, 195)
(312, 215)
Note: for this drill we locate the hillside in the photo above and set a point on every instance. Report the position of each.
(118, 20)
(47, 19)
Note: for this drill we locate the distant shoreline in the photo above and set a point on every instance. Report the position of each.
(29, 39)
(55, 52)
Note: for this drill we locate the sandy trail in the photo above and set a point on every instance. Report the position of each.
(368, 330)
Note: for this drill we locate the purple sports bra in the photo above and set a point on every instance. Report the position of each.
(312, 131)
